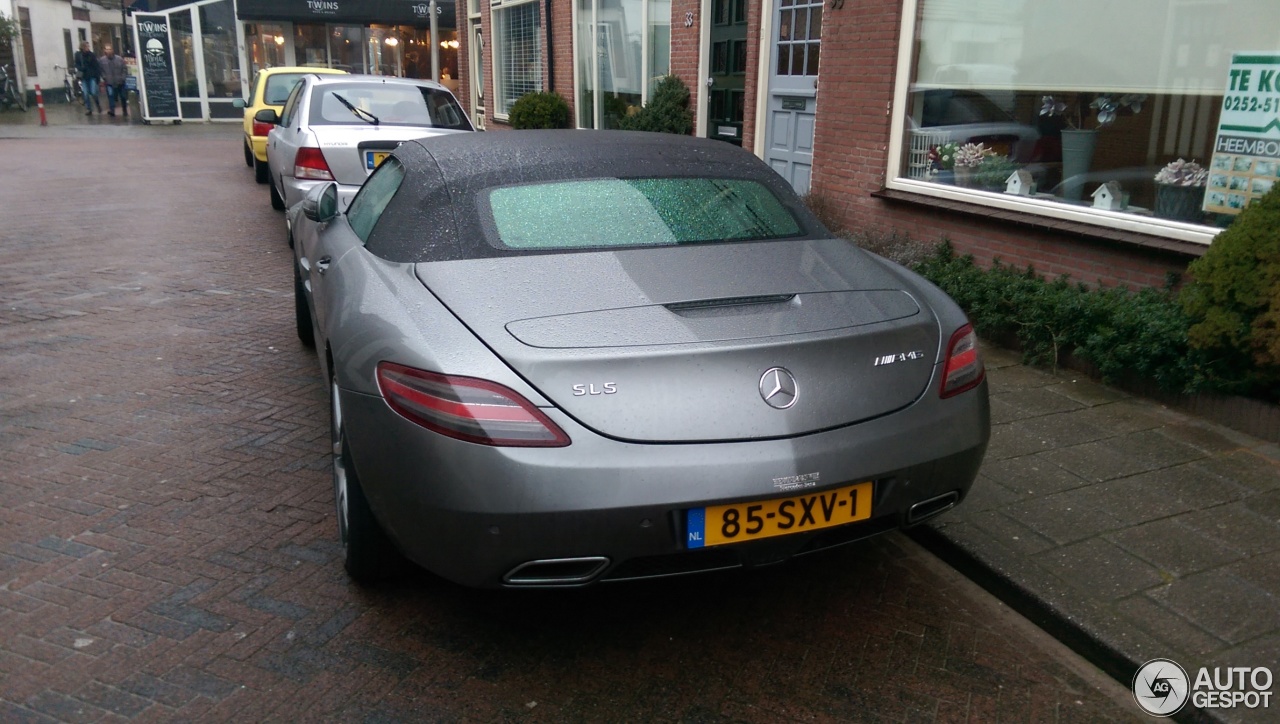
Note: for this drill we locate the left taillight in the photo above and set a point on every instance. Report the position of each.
(467, 408)
(309, 164)
(261, 129)
(963, 370)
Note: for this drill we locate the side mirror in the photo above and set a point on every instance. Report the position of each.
(267, 115)
(321, 203)
(239, 103)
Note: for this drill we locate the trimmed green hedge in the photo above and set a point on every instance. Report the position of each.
(1141, 334)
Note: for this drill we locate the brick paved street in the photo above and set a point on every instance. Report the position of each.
(167, 542)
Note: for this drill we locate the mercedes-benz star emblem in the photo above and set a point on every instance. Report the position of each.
(778, 388)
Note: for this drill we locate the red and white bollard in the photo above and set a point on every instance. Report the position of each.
(44, 121)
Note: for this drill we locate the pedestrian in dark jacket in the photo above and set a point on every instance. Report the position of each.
(90, 74)
(113, 74)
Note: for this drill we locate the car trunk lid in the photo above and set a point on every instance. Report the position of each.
(682, 344)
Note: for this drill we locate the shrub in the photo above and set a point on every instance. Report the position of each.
(1233, 300)
(1122, 333)
(539, 110)
(666, 112)
(8, 29)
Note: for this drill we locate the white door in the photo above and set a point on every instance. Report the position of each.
(792, 102)
(476, 74)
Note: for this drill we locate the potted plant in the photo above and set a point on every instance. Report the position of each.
(1180, 190)
(967, 160)
(942, 162)
(993, 171)
(1079, 142)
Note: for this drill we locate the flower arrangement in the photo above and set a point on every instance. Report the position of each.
(943, 156)
(1107, 107)
(971, 155)
(1183, 173)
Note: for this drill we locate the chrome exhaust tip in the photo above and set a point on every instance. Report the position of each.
(556, 571)
(926, 509)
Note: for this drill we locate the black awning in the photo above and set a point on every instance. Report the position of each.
(353, 12)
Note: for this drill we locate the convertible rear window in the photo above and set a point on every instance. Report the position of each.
(612, 213)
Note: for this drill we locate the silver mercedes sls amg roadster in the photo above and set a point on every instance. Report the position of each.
(562, 357)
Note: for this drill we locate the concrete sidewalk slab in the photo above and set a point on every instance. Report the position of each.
(1129, 530)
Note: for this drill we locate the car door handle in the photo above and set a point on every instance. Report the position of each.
(322, 264)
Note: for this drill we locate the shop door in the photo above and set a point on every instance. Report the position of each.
(726, 97)
(792, 102)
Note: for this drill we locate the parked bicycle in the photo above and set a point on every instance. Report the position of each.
(10, 94)
(70, 84)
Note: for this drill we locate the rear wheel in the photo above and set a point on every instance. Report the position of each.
(368, 554)
(277, 202)
(301, 312)
(18, 97)
(261, 172)
(248, 155)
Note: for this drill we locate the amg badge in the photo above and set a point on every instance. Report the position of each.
(899, 357)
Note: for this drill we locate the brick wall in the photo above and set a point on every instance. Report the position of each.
(685, 48)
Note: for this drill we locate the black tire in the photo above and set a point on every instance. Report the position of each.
(277, 201)
(261, 172)
(22, 99)
(301, 312)
(368, 554)
(248, 155)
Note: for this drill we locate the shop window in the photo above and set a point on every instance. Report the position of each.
(346, 48)
(218, 41)
(310, 45)
(264, 43)
(517, 53)
(184, 54)
(616, 65)
(1008, 107)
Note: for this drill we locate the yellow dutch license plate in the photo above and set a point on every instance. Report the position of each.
(373, 159)
(722, 524)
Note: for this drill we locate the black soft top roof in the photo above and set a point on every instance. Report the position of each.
(439, 213)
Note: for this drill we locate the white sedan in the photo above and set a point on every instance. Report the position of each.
(339, 128)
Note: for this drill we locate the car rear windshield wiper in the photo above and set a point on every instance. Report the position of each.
(361, 113)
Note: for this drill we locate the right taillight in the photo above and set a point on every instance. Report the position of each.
(310, 164)
(963, 369)
(262, 129)
(467, 408)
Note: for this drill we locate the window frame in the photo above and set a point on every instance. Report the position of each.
(496, 47)
(896, 180)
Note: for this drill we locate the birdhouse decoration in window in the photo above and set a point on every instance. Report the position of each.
(1110, 197)
(1020, 183)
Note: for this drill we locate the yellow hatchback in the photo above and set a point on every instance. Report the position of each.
(271, 88)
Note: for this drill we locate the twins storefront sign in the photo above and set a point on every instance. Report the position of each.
(1246, 152)
(159, 86)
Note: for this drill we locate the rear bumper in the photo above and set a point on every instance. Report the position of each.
(473, 514)
(259, 146)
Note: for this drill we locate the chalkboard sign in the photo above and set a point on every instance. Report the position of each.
(155, 56)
